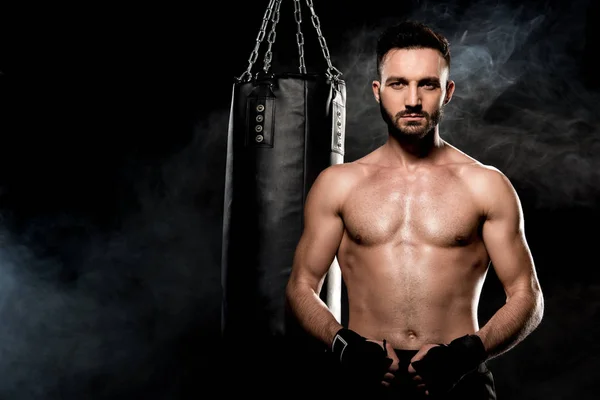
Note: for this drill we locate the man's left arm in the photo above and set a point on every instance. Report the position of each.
(504, 239)
(441, 366)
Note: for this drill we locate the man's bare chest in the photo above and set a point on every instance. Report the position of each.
(437, 210)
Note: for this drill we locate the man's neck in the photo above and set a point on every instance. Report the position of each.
(413, 151)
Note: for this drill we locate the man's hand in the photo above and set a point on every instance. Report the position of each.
(418, 379)
(363, 359)
(438, 368)
(393, 367)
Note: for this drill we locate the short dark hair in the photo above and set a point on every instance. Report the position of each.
(410, 34)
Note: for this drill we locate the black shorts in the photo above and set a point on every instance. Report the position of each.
(477, 385)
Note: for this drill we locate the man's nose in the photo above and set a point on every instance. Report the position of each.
(412, 97)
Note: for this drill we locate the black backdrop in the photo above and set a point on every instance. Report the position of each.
(114, 120)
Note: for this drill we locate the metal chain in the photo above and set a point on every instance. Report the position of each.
(247, 75)
(299, 35)
(271, 37)
(272, 14)
(317, 24)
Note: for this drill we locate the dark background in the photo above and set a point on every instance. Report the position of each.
(113, 129)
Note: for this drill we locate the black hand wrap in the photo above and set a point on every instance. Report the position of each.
(359, 357)
(445, 365)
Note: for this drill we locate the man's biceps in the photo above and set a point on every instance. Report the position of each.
(504, 240)
(505, 225)
(319, 264)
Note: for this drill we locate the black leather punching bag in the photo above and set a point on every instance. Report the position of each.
(284, 129)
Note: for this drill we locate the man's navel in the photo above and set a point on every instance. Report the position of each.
(410, 334)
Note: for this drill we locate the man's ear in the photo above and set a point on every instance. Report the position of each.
(376, 85)
(450, 86)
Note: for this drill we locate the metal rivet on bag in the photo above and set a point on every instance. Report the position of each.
(259, 138)
(258, 128)
(260, 108)
(259, 118)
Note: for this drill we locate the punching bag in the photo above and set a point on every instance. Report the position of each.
(284, 129)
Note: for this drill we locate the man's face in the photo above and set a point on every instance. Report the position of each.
(413, 90)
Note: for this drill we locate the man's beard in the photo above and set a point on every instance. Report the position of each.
(411, 129)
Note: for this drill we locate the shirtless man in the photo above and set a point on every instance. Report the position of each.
(415, 225)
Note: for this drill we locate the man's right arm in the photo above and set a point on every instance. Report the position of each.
(316, 249)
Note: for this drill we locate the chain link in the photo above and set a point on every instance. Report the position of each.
(247, 75)
(317, 24)
(271, 37)
(299, 35)
(272, 14)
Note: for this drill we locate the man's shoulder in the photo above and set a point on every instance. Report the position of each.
(347, 170)
(338, 178)
(483, 174)
(472, 169)
(477, 169)
(487, 182)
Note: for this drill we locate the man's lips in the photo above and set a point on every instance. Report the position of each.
(412, 116)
